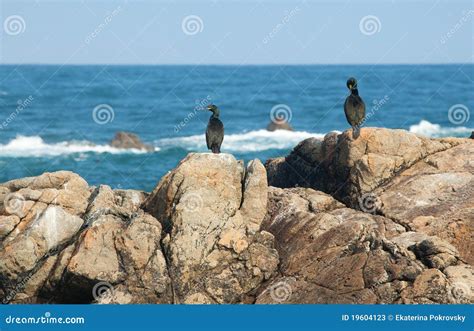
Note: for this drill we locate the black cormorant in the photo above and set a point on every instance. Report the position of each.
(354, 108)
(214, 131)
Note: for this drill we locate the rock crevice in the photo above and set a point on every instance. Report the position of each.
(394, 226)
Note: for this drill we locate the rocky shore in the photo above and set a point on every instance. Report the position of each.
(386, 218)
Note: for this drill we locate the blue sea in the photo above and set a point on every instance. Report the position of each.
(63, 117)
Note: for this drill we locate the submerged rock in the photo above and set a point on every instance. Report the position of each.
(128, 140)
(272, 126)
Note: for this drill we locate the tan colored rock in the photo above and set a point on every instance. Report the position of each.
(436, 197)
(424, 184)
(52, 229)
(39, 216)
(59, 243)
(333, 254)
(272, 126)
(461, 283)
(118, 259)
(229, 238)
(62, 188)
(211, 209)
(349, 168)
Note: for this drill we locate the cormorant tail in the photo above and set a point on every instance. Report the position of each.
(355, 132)
(215, 149)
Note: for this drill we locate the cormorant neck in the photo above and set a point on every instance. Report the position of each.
(215, 114)
(355, 91)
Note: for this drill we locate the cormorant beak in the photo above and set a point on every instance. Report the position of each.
(350, 86)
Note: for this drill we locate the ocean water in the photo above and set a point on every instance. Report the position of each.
(48, 121)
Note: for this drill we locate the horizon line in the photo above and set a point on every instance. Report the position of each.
(233, 64)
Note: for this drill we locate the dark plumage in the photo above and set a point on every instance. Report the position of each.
(354, 108)
(214, 131)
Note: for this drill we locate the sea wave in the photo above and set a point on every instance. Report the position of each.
(252, 141)
(429, 129)
(34, 146)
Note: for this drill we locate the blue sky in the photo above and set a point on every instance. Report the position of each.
(236, 32)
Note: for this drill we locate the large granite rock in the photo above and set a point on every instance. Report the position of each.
(39, 217)
(435, 196)
(394, 226)
(211, 207)
(333, 254)
(65, 242)
(423, 184)
(121, 250)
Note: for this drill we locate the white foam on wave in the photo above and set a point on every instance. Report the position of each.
(34, 146)
(252, 141)
(429, 129)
